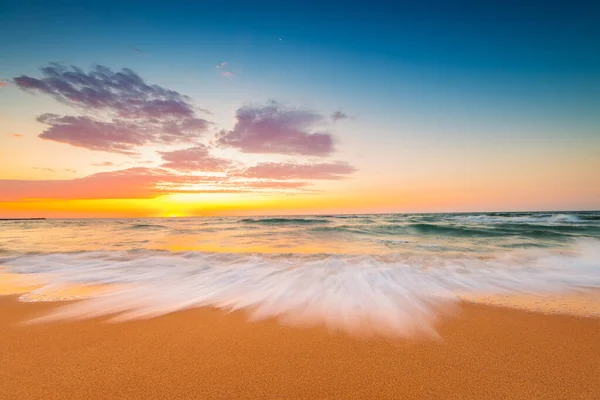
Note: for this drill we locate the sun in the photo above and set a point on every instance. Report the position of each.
(172, 215)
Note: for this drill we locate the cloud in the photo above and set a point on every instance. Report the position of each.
(44, 169)
(193, 159)
(224, 73)
(270, 170)
(16, 135)
(118, 135)
(131, 183)
(3, 84)
(338, 115)
(103, 164)
(277, 129)
(137, 113)
(69, 170)
(274, 185)
(124, 92)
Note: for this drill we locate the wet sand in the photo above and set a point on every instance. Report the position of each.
(485, 352)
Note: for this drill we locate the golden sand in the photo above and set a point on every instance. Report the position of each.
(485, 353)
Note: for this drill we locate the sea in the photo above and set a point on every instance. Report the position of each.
(394, 270)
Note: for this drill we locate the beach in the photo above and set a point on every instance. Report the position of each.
(483, 352)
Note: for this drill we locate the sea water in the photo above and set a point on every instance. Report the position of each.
(396, 272)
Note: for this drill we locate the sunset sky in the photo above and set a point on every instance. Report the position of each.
(131, 109)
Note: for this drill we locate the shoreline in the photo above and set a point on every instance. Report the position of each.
(484, 352)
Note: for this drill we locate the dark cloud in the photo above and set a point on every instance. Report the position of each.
(138, 113)
(277, 129)
(271, 170)
(193, 159)
(337, 115)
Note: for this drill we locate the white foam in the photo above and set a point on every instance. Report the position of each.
(400, 295)
(542, 219)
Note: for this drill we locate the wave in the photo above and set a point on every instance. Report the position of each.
(397, 295)
(465, 231)
(283, 221)
(146, 226)
(522, 218)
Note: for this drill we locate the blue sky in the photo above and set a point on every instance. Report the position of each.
(472, 77)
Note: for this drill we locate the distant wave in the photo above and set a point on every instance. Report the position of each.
(465, 231)
(398, 295)
(283, 221)
(146, 226)
(531, 218)
(432, 229)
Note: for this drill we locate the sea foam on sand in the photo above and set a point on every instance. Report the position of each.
(398, 296)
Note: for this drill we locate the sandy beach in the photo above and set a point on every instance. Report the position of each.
(485, 352)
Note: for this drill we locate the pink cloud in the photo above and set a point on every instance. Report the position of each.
(224, 63)
(276, 129)
(117, 136)
(227, 74)
(16, 135)
(193, 159)
(335, 170)
(137, 113)
(275, 185)
(3, 84)
(123, 92)
(132, 183)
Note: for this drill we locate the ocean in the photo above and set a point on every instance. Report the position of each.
(393, 270)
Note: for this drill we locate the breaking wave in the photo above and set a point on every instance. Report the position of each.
(396, 294)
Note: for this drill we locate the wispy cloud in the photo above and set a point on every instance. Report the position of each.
(118, 135)
(132, 183)
(118, 112)
(16, 135)
(274, 128)
(225, 71)
(338, 115)
(138, 113)
(271, 170)
(193, 159)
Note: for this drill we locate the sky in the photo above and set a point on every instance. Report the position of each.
(130, 109)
